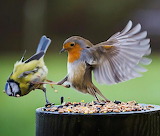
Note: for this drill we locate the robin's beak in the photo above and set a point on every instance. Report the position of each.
(63, 50)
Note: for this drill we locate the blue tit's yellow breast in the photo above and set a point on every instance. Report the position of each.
(37, 72)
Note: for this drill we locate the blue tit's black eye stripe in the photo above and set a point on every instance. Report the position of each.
(10, 88)
(11, 80)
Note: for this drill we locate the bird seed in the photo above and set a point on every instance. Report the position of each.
(98, 107)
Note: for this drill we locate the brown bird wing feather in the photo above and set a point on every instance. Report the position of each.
(120, 57)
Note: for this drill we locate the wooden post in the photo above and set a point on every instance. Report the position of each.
(138, 123)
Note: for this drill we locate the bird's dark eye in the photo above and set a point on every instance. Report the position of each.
(87, 47)
(72, 44)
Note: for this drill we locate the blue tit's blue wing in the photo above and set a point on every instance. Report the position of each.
(35, 57)
(43, 44)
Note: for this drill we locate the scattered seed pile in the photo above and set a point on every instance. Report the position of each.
(98, 107)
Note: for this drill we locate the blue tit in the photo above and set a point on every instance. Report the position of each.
(28, 75)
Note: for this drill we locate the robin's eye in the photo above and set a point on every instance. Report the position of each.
(72, 44)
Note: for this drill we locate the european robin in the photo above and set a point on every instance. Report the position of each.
(118, 59)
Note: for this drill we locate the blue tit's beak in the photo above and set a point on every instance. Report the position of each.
(12, 89)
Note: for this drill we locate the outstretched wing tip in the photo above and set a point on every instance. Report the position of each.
(123, 62)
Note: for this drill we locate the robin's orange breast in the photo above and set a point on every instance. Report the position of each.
(74, 53)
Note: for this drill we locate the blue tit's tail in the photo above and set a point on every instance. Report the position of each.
(43, 44)
(41, 50)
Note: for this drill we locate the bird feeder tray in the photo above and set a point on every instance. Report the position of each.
(134, 123)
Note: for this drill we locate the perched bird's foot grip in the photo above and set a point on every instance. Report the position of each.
(50, 83)
(67, 86)
(48, 105)
(59, 83)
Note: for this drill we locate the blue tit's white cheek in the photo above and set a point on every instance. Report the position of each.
(7, 89)
(12, 89)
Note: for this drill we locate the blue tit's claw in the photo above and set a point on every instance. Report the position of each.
(48, 105)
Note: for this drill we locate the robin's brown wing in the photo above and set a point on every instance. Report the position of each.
(120, 57)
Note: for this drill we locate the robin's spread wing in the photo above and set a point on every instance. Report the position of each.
(120, 57)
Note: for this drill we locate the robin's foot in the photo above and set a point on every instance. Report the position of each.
(67, 86)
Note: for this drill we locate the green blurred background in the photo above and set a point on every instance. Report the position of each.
(24, 22)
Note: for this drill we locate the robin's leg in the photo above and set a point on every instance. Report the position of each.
(40, 83)
(54, 83)
(49, 81)
(62, 81)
